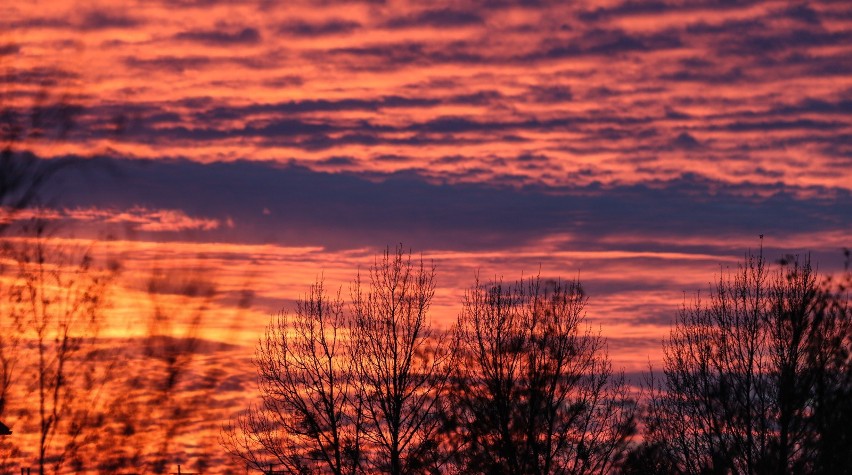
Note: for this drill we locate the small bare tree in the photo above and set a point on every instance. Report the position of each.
(309, 420)
(403, 365)
(536, 394)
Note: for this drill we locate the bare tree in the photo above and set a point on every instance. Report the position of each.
(351, 388)
(403, 365)
(535, 393)
(309, 420)
(372, 391)
(10, 341)
(749, 375)
(55, 306)
(99, 402)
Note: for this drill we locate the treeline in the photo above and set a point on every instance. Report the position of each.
(756, 379)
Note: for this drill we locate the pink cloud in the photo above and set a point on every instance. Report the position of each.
(137, 218)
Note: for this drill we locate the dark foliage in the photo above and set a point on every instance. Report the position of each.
(535, 393)
(758, 379)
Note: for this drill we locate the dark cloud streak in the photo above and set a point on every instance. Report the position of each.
(245, 36)
(307, 29)
(348, 210)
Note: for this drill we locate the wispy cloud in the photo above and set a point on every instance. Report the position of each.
(136, 218)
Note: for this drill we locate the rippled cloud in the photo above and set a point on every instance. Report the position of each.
(481, 129)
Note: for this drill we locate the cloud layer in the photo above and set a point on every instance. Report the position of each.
(608, 92)
(643, 144)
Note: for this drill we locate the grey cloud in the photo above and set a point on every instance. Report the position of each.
(627, 8)
(338, 161)
(707, 75)
(9, 49)
(607, 42)
(804, 13)
(727, 26)
(104, 19)
(685, 140)
(773, 125)
(46, 77)
(284, 81)
(392, 56)
(317, 105)
(757, 44)
(550, 94)
(308, 29)
(326, 132)
(245, 36)
(632, 8)
(438, 18)
(177, 64)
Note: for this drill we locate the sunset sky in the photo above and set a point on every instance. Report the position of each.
(640, 146)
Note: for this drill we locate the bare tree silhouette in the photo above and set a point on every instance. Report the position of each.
(535, 393)
(403, 365)
(99, 402)
(754, 378)
(310, 418)
(351, 389)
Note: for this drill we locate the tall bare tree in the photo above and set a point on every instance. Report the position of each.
(536, 394)
(351, 388)
(309, 420)
(403, 364)
(828, 361)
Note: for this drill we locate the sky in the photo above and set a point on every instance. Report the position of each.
(641, 147)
